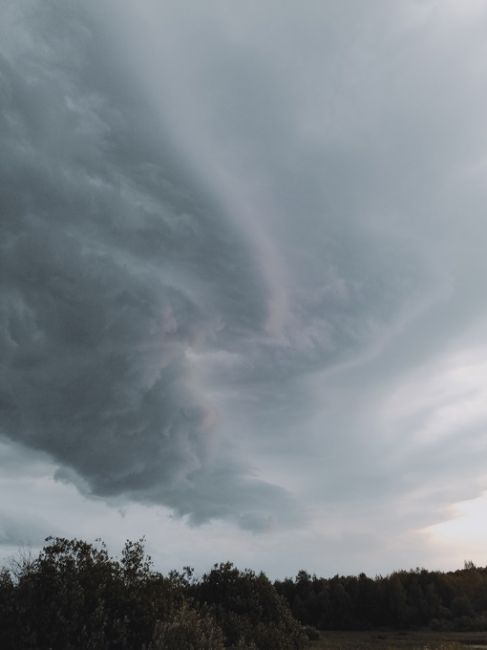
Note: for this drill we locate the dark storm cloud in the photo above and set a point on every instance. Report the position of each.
(238, 242)
(110, 270)
(115, 262)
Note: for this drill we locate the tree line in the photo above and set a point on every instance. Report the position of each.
(74, 595)
(455, 600)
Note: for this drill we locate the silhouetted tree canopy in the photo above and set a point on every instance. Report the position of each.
(74, 595)
(403, 600)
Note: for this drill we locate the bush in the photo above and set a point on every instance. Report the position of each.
(188, 629)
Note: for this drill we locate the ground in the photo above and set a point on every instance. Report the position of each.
(384, 640)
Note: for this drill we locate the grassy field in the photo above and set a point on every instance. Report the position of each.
(401, 641)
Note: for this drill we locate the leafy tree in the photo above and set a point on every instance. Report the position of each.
(248, 609)
(75, 596)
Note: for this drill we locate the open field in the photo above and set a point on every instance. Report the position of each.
(386, 640)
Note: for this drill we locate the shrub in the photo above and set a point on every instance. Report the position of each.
(189, 629)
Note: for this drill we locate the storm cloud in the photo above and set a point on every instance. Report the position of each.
(111, 271)
(242, 258)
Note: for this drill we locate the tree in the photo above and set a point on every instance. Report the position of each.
(248, 609)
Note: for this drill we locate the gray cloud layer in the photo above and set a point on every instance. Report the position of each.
(111, 270)
(231, 237)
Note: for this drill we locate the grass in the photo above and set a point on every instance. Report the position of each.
(401, 641)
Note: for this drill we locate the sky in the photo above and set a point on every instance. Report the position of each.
(242, 280)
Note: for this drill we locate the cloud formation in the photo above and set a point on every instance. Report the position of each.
(241, 256)
(111, 274)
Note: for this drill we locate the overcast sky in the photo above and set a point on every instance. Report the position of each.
(243, 304)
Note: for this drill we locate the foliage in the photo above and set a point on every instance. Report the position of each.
(248, 608)
(187, 628)
(75, 596)
(403, 600)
